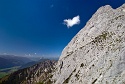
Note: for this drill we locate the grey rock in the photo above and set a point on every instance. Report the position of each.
(96, 55)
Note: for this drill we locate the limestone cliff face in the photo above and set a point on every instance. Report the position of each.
(96, 55)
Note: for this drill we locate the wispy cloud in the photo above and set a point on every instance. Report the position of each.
(71, 22)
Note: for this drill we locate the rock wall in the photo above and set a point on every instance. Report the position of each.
(96, 55)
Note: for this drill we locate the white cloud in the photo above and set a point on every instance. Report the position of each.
(72, 22)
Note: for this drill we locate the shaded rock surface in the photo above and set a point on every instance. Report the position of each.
(37, 74)
(96, 55)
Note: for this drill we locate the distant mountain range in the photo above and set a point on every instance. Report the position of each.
(7, 61)
(11, 63)
(36, 74)
(32, 63)
(4, 63)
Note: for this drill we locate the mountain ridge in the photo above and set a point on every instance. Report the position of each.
(96, 54)
(38, 73)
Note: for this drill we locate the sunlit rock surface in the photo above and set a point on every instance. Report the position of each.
(96, 55)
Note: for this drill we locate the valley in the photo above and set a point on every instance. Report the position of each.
(7, 71)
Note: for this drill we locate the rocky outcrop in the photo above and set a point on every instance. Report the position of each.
(96, 55)
(38, 74)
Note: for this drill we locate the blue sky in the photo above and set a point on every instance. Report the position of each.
(36, 26)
